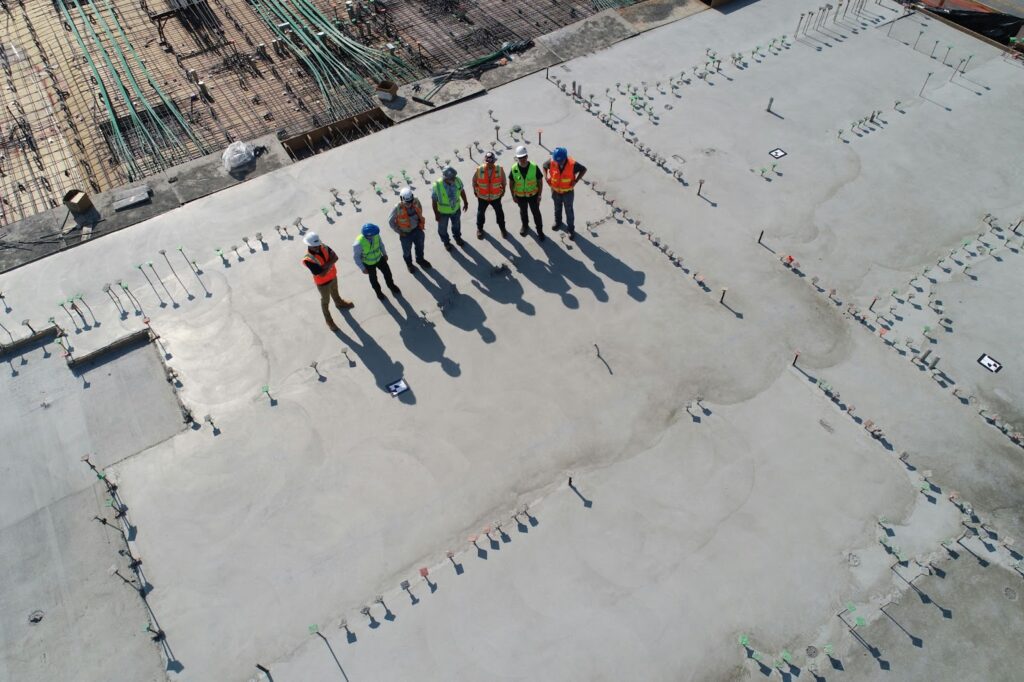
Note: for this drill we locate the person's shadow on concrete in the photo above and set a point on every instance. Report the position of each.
(541, 274)
(457, 308)
(499, 287)
(420, 337)
(385, 370)
(574, 270)
(613, 268)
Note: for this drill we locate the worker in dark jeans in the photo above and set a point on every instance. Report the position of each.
(562, 172)
(524, 181)
(489, 187)
(370, 256)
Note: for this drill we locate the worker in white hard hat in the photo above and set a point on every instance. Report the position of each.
(321, 261)
(407, 220)
(447, 196)
(525, 183)
(489, 185)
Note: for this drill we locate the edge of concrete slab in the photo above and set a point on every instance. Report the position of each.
(46, 233)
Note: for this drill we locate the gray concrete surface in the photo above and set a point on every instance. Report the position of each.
(720, 490)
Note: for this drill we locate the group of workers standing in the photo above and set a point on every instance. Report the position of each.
(448, 201)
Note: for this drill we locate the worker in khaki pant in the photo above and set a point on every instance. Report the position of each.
(321, 261)
(489, 187)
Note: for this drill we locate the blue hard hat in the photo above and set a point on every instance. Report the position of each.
(370, 230)
(560, 154)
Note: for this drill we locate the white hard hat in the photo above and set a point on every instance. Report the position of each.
(521, 152)
(312, 239)
(406, 194)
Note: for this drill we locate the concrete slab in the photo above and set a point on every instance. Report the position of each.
(731, 410)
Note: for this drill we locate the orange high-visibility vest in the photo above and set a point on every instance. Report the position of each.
(560, 179)
(402, 216)
(320, 257)
(489, 186)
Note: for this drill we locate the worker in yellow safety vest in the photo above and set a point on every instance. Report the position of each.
(526, 186)
(407, 220)
(489, 187)
(321, 261)
(447, 196)
(370, 256)
(562, 172)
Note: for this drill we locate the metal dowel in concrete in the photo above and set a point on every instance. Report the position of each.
(919, 34)
(8, 331)
(796, 356)
(956, 70)
(721, 299)
(963, 69)
(925, 83)
(771, 100)
(700, 186)
(945, 56)
(932, 55)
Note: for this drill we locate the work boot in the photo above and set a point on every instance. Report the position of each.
(540, 234)
(408, 264)
(447, 246)
(424, 263)
(523, 230)
(333, 327)
(380, 294)
(572, 236)
(345, 305)
(396, 291)
(479, 233)
(458, 240)
(504, 232)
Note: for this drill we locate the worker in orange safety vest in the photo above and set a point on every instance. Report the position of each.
(489, 187)
(321, 261)
(562, 172)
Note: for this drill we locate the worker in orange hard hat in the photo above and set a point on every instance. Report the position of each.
(321, 261)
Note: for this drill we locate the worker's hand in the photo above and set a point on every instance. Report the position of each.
(383, 259)
(465, 207)
(437, 217)
(363, 270)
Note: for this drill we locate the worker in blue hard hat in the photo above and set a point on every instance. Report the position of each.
(562, 172)
(370, 256)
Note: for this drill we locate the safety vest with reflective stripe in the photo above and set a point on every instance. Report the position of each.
(320, 257)
(371, 249)
(560, 179)
(441, 195)
(524, 186)
(402, 216)
(488, 186)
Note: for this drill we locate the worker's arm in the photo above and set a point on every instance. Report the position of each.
(544, 171)
(383, 251)
(437, 214)
(313, 266)
(465, 201)
(357, 256)
(393, 219)
(504, 184)
(332, 258)
(581, 170)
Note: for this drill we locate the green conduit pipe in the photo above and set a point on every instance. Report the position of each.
(169, 103)
(126, 155)
(159, 127)
(120, 84)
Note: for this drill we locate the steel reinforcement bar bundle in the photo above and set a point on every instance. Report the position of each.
(326, 52)
(156, 137)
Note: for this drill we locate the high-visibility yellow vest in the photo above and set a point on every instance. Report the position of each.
(441, 193)
(371, 249)
(488, 186)
(524, 185)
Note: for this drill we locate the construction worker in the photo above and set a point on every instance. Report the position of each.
(370, 256)
(447, 196)
(524, 179)
(321, 261)
(489, 187)
(562, 172)
(407, 220)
